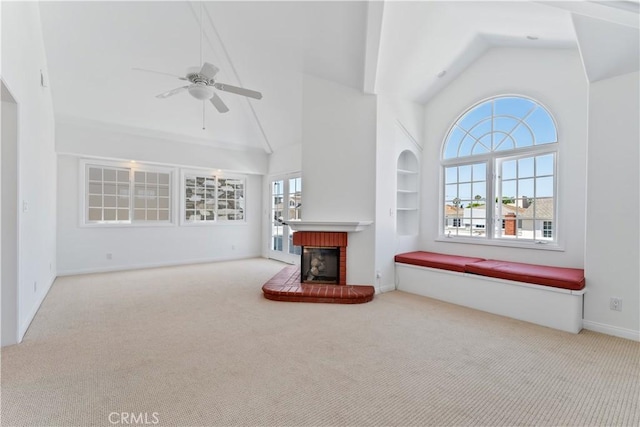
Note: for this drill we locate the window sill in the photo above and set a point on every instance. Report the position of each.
(502, 243)
(126, 224)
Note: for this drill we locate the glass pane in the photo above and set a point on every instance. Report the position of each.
(109, 175)
(466, 146)
(544, 187)
(479, 191)
(503, 142)
(152, 215)
(525, 167)
(464, 173)
(123, 214)
(123, 176)
(95, 214)
(525, 188)
(451, 175)
(95, 174)
(109, 214)
(152, 178)
(475, 115)
(163, 203)
(509, 169)
(139, 177)
(95, 201)
(544, 165)
(479, 172)
(163, 178)
(163, 215)
(110, 201)
(453, 142)
(517, 107)
(152, 203)
(123, 190)
(481, 128)
(139, 203)
(95, 188)
(110, 189)
(523, 136)
(464, 191)
(450, 191)
(508, 190)
(139, 214)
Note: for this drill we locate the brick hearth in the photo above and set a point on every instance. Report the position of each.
(286, 286)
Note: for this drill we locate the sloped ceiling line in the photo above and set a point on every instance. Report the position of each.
(195, 12)
(375, 16)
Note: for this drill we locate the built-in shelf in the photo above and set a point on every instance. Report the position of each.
(407, 196)
(344, 226)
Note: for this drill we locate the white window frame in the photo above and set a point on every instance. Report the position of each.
(493, 162)
(132, 167)
(216, 175)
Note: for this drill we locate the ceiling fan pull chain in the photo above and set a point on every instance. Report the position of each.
(203, 128)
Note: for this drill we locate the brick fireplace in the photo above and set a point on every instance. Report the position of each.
(324, 256)
(325, 279)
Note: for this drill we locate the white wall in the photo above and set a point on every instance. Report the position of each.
(555, 78)
(89, 139)
(84, 249)
(399, 128)
(612, 229)
(338, 165)
(23, 57)
(9, 211)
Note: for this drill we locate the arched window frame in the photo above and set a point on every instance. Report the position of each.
(459, 222)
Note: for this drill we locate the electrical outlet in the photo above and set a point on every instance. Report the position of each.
(615, 304)
(109, 256)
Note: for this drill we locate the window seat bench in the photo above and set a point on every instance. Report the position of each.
(544, 295)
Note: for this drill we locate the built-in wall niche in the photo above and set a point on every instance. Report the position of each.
(407, 195)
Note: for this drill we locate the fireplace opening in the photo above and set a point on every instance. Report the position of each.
(320, 265)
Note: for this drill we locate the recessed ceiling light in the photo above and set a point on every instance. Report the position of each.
(532, 37)
(442, 73)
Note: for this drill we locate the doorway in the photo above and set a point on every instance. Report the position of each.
(9, 218)
(286, 206)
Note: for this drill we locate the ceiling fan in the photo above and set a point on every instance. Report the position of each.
(203, 83)
(202, 86)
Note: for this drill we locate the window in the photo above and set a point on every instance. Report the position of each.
(283, 189)
(499, 169)
(209, 198)
(110, 199)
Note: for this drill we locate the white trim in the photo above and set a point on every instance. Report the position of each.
(150, 265)
(344, 226)
(522, 244)
(616, 331)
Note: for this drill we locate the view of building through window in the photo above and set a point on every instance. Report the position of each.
(499, 163)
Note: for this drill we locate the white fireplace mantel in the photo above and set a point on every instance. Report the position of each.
(337, 226)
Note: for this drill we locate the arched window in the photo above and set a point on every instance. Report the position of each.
(499, 168)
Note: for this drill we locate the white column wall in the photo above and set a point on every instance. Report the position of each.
(613, 224)
(23, 58)
(338, 166)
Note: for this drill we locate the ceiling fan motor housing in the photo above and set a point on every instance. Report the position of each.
(201, 91)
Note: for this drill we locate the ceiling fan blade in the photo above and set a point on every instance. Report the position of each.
(238, 90)
(159, 72)
(172, 92)
(217, 102)
(209, 70)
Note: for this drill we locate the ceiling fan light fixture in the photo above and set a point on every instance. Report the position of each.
(201, 91)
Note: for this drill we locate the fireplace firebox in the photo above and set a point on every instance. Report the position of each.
(320, 265)
(323, 257)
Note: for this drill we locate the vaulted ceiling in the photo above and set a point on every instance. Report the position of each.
(396, 48)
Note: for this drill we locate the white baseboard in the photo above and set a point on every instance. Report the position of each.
(149, 265)
(616, 331)
(386, 288)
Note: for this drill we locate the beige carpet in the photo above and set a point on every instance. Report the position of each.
(199, 345)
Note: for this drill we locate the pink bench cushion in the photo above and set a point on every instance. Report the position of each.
(557, 277)
(435, 260)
